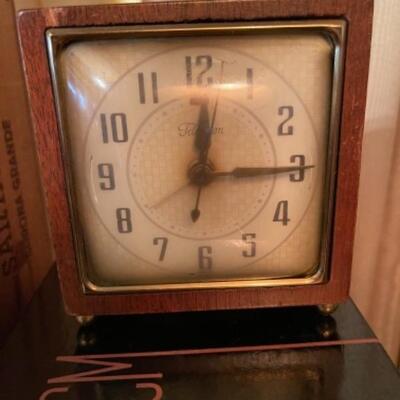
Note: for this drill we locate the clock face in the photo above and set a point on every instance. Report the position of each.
(198, 159)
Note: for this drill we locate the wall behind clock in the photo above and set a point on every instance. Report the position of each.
(376, 269)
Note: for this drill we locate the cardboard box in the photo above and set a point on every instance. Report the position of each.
(25, 249)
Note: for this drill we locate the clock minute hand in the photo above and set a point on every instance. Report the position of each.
(245, 172)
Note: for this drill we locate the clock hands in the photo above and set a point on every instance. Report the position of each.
(239, 172)
(201, 173)
(195, 213)
(246, 172)
(168, 196)
(203, 143)
(203, 135)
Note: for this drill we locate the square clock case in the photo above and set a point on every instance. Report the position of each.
(199, 155)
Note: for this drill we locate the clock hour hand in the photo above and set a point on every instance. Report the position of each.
(245, 172)
(202, 139)
(202, 142)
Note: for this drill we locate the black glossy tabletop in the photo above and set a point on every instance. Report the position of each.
(274, 354)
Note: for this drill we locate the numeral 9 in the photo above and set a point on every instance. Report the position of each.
(106, 171)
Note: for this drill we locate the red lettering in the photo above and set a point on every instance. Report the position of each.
(158, 392)
(93, 375)
(45, 395)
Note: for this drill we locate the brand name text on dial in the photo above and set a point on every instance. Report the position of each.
(189, 129)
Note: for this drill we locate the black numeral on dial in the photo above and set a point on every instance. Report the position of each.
(142, 87)
(249, 79)
(106, 172)
(205, 64)
(205, 260)
(284, 127)
(119, 128)
(300, 160)
(248, 238)
(124, 220)
(164, 242)
(282, 212)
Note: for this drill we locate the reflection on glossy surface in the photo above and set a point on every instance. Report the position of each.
(112, 334)
(78, 96)
(275, 354)
(220, 362)
(208, 355)
(135, 114)
(291, 375)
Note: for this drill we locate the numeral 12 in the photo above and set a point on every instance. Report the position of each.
(204, 61)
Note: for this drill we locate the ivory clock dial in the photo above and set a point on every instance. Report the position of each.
(156, 130)
(162, 153)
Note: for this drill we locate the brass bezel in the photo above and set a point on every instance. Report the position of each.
(335, 29)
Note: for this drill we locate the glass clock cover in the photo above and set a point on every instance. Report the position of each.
(197, 159)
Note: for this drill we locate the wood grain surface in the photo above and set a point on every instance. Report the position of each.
(32, 25)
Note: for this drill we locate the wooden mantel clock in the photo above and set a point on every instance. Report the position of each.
(199, 155)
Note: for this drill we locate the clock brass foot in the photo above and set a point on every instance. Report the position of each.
(86, 338)
(84, 320)
(327, 309)
(326, 327)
